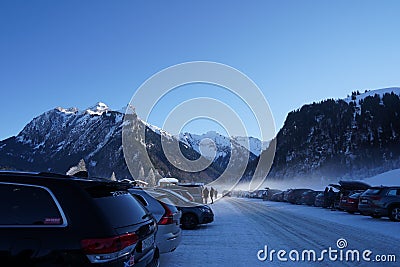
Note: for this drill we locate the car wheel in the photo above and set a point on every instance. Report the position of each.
(189, 221)
(376, 216)
(156, 260)
(394, 213)
(350, 211)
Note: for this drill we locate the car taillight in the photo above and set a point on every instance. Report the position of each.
(108, 245)
(350, 200)
(168, 217)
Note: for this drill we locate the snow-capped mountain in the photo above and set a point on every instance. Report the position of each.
(60, 138)
(254, 145)
(97, 109)
(213, 145)
(356, 137)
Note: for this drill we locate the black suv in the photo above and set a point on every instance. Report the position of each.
(58, 220)
(381, 201)
(193, 213)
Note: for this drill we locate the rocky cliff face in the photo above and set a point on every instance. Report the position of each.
(60, 138)
(351, 138)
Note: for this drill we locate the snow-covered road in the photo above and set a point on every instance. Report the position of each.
(243, 227)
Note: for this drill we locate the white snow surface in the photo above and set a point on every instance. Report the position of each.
(242, 227)
(390, 178)
(380, 92)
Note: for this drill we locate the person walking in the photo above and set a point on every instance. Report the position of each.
(331, 197)
(326, 197)
(215, 194)
(212, 195)
(205, 195)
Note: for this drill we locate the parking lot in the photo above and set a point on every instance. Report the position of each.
(243, 227)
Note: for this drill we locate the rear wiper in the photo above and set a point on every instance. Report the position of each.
(147, 215)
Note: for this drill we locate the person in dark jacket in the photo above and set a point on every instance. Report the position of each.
(331, 197)
(205, 195)
(326, 197)
(212, 192)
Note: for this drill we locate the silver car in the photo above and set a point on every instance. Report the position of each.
(169, 233)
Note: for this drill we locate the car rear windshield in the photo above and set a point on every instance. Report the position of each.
(121, 209)
(373, 191)
(28, 205)
(355, 195)
(167, 201)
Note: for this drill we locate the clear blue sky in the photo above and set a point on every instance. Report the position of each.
(75, 53)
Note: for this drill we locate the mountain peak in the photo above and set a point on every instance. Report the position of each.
(67, 110)
(98, 109)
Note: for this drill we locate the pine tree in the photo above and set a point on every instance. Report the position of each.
(81, 167)
(113, 178)
(151, 178)
(141, 173)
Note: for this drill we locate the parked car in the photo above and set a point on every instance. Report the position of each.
(193, 213)
(346, 203)
(308, 197)
(271, 192)
(350, 203)
(57, 220)
(345, 187)
(383, 201)
(277, 197)
(266, 194)
(168, 217)
(196, 190)
(294, 195)
(286, 194)
(320, 200)
(262, 193)
(253, 194)
(183, 193)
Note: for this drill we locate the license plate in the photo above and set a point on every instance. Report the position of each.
(364, 201)
(148, 242)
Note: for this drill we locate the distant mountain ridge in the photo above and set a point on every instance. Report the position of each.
(60, 138)
(353, 138)
(222, 143)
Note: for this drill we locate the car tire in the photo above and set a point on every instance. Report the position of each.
(156, 259)
(189, 221)
(394, 213)
(376, 216)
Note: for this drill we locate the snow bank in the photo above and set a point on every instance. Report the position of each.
(390, 178)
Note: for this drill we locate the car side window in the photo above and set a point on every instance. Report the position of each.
(23, 205)
(392, 192)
